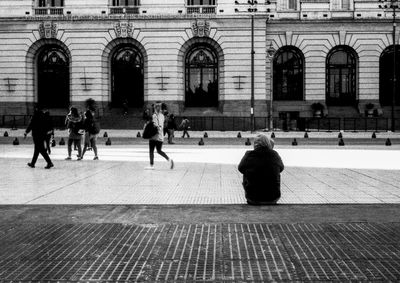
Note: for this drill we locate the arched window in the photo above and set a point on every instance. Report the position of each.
(288, 74)
(127, 77)
(341, 67)
(201, 68)
(386, 76)
(53, 77)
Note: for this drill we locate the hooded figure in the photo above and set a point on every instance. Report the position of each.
(261, 170)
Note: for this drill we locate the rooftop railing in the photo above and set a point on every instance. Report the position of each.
(124, 10)
(49, 11)
(201, 10)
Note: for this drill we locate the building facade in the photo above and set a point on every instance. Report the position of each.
(195, 55)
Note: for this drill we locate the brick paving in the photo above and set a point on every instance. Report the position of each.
(333, 224)
(200, 252)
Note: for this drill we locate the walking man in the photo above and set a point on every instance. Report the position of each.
(38, 127)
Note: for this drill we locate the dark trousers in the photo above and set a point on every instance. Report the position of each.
(185, 132)
(158, 145)
(170, 135)
(39, 148)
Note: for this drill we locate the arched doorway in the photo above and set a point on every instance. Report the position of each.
(288, 74)
(201, 77)
(341, 85)
(127, 84)
(53, 77)
(386, 76)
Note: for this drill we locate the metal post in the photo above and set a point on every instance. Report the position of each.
(271, 89)
(394, 66)
(252, 75)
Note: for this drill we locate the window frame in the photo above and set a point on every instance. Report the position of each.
(352, 67)
(188, 65)
(280, 72)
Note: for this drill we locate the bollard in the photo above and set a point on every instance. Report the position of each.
(16, 141)
(138, 135)
(272, 135)
(239, 135)
(306, 135)
(53, 142)
(205, 135)
(388, 142)
(201, 142)
(62, 142)
(5, 134)
(294, 142)
(108, 142)
(373, 135)
(341, 142)
(340, 135)
(105, 135)
(248, 142)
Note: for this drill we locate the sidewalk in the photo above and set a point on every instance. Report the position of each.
(224, 134)
(112, 221)
(201, 176)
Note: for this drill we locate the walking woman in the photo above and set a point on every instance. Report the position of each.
(74, 125)
(91, 130)
(157, 140)
(39, 131)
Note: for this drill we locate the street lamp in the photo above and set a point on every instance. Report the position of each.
(252, 9)
(394, 5)
(271, 52)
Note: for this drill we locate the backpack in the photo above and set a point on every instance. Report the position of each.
(95, 128)
(150, 130)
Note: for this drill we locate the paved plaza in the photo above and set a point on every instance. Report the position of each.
(112, 221)
(201, 176)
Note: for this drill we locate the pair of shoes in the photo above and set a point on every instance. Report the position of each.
(171, 162)
(151, 167)
(96, 158)
(31, 165)
(68, 158)
(48, 166)
(79, 158)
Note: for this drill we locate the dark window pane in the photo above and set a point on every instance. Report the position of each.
(201, 77)
(386, 76)
(288, 74)
(341, 77)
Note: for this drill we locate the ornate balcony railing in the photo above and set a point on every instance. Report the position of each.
(124, 10)
(49, 11)
(201, 10)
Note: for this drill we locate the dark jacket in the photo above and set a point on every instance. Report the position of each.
(171, 124)
(261, 170)
(38, 125)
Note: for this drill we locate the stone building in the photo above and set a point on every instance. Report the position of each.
(195, 55)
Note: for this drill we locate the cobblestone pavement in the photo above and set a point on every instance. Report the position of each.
(200, 252)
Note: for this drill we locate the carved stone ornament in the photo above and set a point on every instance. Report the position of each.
(201, 28)
(124, 29)
(48, 30)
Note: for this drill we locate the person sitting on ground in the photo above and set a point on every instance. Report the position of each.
(261, 170)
